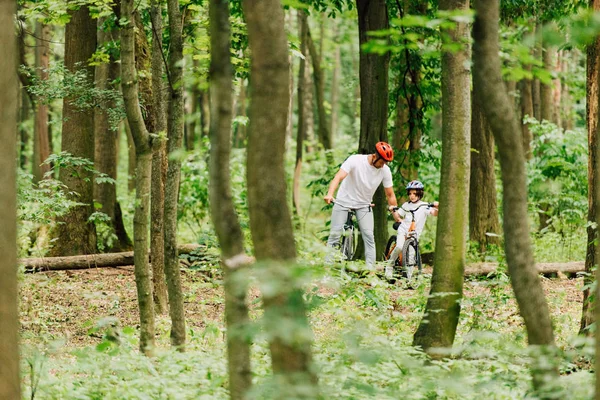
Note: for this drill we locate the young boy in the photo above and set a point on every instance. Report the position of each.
(414, 190)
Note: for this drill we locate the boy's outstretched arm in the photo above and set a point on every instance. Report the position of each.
(335, 182)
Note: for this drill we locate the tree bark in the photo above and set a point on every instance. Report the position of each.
(438, 327)
(74, 233)
(159, 164)
(526, 110)
(141, 139)
(373, 71)
(546, 103)
(483, 208)
(270, 220)
(335, 83)
(223, 212)
(240, 129)
(10, 378)
(106, 137)
(175, 142)
(519, 256)
(41, 143)
(319, 81)
(536, 94)
(591, 116)
(302, 106)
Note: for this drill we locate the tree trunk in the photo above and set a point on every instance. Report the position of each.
(373, 16)
(74, 233)
(271, 226)
(240, 129)
(106, 138)
(536, 94)
(10, 378)
(302, 88)
(546, 103)
(526, 110)
(519, 256)
(175, 142)
(335, 83)
(159, 164)
(141, 138)
(319, 80)
(591, 116)
(130, 159)
(204, 101)
(41, 144)
(223, 214)
(190, 134)
(438, 327)
(25, 105)
(483, 208)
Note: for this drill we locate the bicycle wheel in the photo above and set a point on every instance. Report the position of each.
(391, 245)
(348, 243)
(411, 258)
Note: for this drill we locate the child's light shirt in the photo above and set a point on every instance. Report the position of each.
(357, 189)
(420, 216)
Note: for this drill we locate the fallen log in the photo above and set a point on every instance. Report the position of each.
(90, 260)
(570, 269)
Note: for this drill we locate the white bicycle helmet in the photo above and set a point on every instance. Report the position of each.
(415, 185)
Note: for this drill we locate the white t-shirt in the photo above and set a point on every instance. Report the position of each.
(420, 216)
(358, 188)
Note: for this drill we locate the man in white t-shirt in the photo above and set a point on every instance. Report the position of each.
(360, 175)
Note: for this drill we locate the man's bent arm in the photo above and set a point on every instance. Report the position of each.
(335, 182)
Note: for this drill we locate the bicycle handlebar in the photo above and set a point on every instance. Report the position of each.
(430, 205)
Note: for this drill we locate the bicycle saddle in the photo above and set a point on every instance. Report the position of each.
(397, 225)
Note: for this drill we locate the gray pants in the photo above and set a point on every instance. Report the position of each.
(364, 216)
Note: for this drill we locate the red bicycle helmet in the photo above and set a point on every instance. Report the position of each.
(385, 151)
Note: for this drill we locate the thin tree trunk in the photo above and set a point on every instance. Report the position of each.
(131, 161)
(75, 234)
(519, 256)
(546, 103)
(438, 327)
(302, 88)
(159, 164)
(204, 100)
(240, 130)
(106, 138)
(319, 78)
(175, 142)
(41, 145)
(223, 213)
(591, 111)
(24, 102)
(271, 227)
(483, 208)
(141, 138)
(373, 16)
(536, 94)
(526, 110)
(335, 83)
(10, 378)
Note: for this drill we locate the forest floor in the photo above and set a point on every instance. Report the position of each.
(70, 304)
(363, 328)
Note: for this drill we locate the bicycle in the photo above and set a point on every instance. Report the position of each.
(349, 238)
(410, 257)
